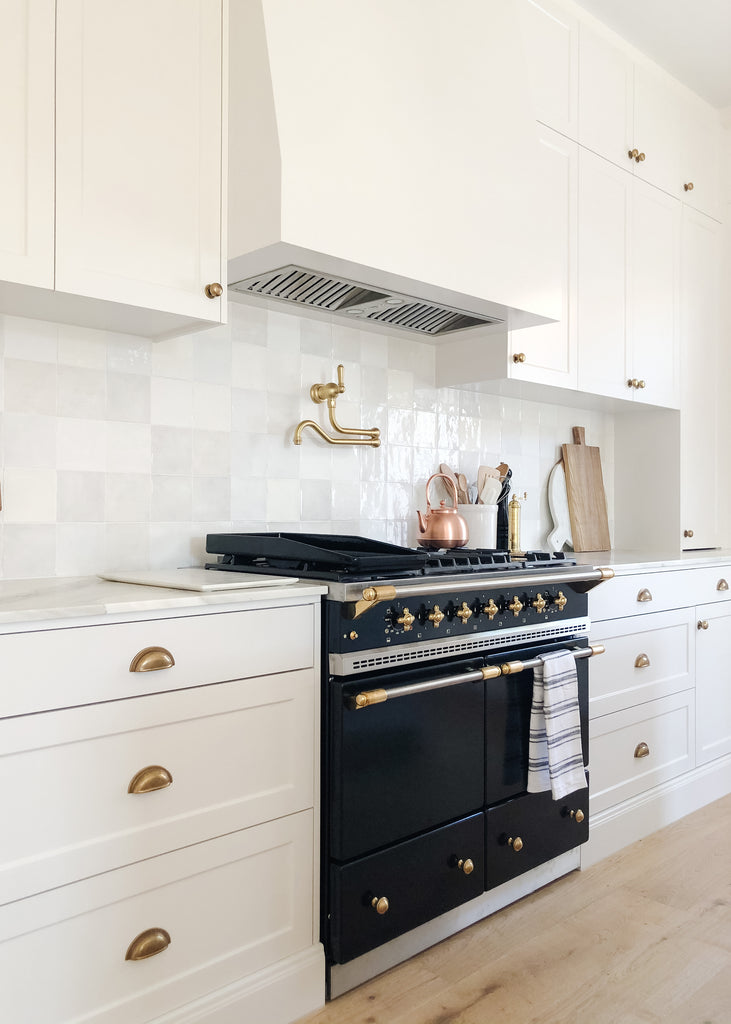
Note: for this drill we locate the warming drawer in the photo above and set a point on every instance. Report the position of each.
(377, 898)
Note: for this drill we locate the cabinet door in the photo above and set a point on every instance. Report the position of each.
(699, 318)
(656, 129)
(713, 682)
(550, 349)
(139, 138)
(552, 51)
(605, 98)
(653, 261)
(604, 208)
(699, 162)
(26, 130)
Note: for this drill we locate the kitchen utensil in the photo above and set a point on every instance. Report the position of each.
(481, 477)
(585, 493)
(472, 494)
(489, 471)
(462, 493)
(445, 470)
(442, 527)
(490, 492)
(558, 504)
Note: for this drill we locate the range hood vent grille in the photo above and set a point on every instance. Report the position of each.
(359, 302)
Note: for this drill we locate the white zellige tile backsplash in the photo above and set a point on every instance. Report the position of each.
(118, 452)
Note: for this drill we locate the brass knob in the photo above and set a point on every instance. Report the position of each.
(491, 609)
(436, 616)
(688, 186)
(687, 533)
(633, 153)
(353, 635)
(641, 384)
(516, 843)
(380, 905)
(407, 620)
(149, 779)
(516, 606)
(639, 158)
(464, 613)
(578, 816)
(703, 624)
(519, 357)
(151, 659)
(148, 943)
(632, 382)
(214, 291)
(644, 595)
(466, 865)
(722, 585)
(539, 604)
(642, 661)
(642, 750)
(561, 601)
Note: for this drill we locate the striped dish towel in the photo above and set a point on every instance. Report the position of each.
(555, 759)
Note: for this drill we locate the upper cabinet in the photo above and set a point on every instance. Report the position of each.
(26, 130)
(633, 114)
(551, 39)
(134, 241)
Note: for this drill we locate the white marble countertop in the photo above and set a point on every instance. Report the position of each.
(634, 561)
(85, 597)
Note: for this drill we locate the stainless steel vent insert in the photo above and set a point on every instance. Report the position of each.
(359, 301)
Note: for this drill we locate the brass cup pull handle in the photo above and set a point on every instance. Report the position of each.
(642, 750)
(149, 779)
(722, 585)
(642, 661)
(467, 866)
(380, 905)
(702, 624)
(688, 186)
(148, 943)
(214, 291)
(152, 659)
(644, 595)
(519, 357)
(517, 843)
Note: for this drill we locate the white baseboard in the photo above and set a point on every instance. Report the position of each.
(279, 994)
(616, 827)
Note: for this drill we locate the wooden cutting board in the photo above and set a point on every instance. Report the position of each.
(585, 492)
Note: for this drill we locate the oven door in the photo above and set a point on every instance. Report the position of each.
(406, 765)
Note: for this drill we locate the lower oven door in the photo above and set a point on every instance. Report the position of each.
(399, 768)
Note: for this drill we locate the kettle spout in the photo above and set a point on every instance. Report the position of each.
(422, 522)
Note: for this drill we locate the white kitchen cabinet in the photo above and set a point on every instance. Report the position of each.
(161, 775)
(699, 360)
(546, 354)
(627, 287)
(115, 220)
(700, 157)
(551, 36)
(26, 130)
(628, 112)
(713, 681)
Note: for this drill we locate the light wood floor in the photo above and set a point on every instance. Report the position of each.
(644, 937)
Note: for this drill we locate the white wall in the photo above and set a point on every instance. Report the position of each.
(118, 452)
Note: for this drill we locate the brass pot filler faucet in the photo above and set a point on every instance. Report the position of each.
(349, 435)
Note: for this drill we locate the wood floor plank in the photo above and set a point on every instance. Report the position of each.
(643, 937)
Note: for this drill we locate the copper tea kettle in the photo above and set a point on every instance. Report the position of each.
(442, 527)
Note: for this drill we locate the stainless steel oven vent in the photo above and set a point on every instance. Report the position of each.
(359, 301)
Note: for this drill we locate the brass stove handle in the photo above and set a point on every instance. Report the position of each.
(148, 943)
(152, 659)
(150, 779)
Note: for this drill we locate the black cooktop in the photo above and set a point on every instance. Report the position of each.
(346, 558)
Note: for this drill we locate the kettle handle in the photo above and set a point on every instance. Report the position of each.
(449, 481)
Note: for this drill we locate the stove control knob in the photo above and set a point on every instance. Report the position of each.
(406, 620)
(436, 616)
(539, 604)
(516, 606)
(380, 905)
(491, 609)
(561, 601)
(464, 613)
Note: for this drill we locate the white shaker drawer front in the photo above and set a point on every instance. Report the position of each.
(634, 750)
(713, 584)
(64, 667)
(213, 913)
(640, 594)
(201, 762)
(645, 659)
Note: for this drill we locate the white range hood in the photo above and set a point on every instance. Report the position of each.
(380, 159)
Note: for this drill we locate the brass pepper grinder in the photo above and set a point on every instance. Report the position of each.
(514, 525)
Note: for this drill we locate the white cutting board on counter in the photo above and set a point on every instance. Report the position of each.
(197, 579)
